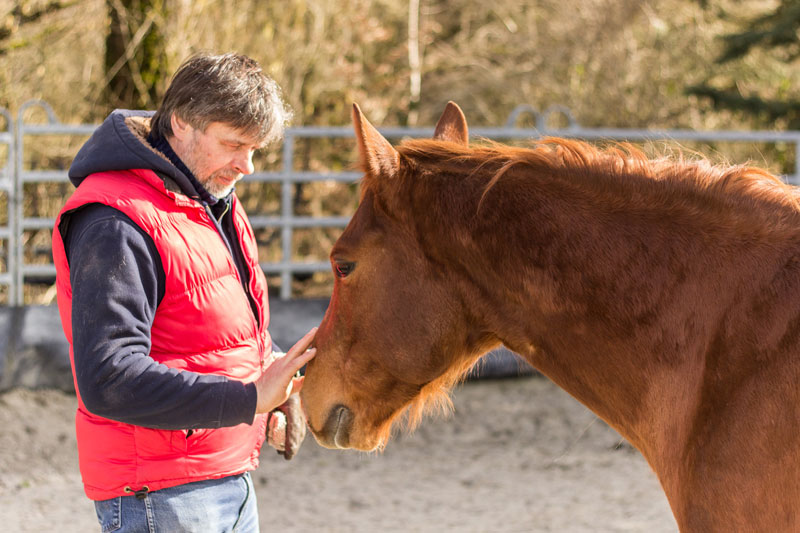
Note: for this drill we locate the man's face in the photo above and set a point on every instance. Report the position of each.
(218, 157)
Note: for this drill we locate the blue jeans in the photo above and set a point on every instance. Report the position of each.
(226, 505)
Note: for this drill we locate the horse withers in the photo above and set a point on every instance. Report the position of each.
(662, 293)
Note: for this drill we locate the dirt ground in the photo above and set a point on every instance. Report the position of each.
(516, 455)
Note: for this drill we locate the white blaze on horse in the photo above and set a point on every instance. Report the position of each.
(663, 294)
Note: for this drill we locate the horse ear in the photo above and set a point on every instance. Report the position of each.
(452, 125)
(378, 157)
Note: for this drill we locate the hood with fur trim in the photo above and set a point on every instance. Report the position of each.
(120, 143)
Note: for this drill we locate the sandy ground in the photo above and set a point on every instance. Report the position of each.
(516, 455)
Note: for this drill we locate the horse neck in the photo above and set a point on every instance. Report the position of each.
(600, 298)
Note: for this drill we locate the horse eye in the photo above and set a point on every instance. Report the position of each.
(344, 268)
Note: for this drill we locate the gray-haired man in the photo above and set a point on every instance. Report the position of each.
(165, 306)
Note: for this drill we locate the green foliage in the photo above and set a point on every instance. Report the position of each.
(776, 29)
(755, 73)
(764, 111)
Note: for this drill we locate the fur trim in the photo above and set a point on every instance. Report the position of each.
(140, 127)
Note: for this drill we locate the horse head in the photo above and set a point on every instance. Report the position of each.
(395, 333)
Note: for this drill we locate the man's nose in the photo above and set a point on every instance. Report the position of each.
(244, 163)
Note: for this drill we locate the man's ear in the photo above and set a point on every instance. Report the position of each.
(180, 128)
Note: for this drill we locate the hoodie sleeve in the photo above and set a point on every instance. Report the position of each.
(117, 283)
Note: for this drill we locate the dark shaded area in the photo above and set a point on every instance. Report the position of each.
(135, 58)
(775, 31)
(33, 350)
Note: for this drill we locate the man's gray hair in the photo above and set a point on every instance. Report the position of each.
(229, 88)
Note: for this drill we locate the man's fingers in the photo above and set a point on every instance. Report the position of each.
(303, 344)
(294, 364)
(302, 359)
(277, 382)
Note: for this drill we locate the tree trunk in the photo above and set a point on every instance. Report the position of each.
(135, 60)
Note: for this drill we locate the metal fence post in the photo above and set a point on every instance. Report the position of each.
(795, 178)
(18, 297)
(21, 177)
(7, 181)
(287, 213)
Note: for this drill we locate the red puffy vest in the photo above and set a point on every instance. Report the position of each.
(204, 324)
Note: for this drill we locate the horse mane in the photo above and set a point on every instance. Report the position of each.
(619, 165)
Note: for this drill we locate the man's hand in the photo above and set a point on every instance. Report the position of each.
(277, 382)
(287, 427)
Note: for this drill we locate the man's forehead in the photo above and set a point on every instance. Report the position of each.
(229, 133)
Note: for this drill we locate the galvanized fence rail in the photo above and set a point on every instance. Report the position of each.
(8, 233)
(14, 177)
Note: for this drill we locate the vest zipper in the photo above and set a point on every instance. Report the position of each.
(229, 246)
(247, 292)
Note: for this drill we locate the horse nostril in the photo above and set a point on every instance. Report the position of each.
(338, 426)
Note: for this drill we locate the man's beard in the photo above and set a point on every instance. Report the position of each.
(219, 189)
(216, 188)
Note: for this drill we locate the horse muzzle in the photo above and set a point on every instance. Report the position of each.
(336, 431)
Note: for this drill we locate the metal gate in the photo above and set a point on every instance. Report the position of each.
(14, 177)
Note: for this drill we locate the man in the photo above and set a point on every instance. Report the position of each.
(164, 305)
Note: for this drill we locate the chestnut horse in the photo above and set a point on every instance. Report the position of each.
(664, 294)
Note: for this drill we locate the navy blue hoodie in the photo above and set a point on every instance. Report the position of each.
(117, 283)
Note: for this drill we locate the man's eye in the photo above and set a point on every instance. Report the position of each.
(343, 268)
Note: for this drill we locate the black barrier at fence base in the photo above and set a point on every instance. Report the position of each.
(34, 353)
(33, 350)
